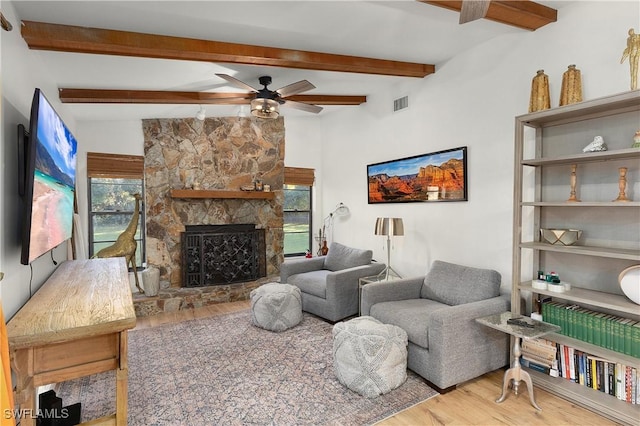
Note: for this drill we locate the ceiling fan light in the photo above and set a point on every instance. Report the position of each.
(265, 108)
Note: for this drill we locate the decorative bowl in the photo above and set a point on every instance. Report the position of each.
(629, 280)
(566, 237)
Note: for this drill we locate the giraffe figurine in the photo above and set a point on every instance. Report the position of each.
(125, 244)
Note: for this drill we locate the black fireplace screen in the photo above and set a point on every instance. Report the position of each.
(222, 254)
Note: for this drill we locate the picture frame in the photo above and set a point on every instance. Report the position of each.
(431, 177)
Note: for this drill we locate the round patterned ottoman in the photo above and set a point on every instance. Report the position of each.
(275, 306)
(369, 357)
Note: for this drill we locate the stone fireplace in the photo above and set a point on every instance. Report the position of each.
(217, 154)
(222, 254)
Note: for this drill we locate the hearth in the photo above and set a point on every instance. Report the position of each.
(222, 254)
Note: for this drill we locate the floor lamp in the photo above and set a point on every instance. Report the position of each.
(327, 225)
(389, 226)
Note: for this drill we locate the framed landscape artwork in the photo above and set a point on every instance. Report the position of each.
(437, 176)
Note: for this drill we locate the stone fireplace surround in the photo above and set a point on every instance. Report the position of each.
(214, 154)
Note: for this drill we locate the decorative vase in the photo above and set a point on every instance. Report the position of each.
(540, 99)
(571, 86)
(151, 281)
(325, 249)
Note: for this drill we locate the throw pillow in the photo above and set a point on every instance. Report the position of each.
(342, 257)
(456, 284)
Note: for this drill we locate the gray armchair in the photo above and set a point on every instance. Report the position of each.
(329, 284)
(446, 345)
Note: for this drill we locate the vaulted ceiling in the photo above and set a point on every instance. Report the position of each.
(160, 58)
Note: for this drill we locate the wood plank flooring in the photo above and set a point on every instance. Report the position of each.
(472, 403)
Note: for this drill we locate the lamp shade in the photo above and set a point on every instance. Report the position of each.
(389, 226)
(265, 108)
(341, 210)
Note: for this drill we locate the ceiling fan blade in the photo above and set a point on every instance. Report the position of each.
(237, 83)
(473, 9)
(302, 106)
(295, 88)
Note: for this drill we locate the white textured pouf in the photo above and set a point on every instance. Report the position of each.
(275, 306)
(369, 357)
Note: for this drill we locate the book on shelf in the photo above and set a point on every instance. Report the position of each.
(537, 360)
(539, 367)
(540, 348)
(635, 339)
(609, 331)
(584, 369)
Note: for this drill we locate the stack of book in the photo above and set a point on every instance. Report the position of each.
(541, 355)
(608, 331)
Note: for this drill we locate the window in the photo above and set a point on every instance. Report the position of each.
(297, 219)
(113, 181)
(297, 211)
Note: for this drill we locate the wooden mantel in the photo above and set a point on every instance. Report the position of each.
(206, 193)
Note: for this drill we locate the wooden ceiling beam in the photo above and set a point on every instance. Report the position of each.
(524, 14)
(105, 96)
(67, 38)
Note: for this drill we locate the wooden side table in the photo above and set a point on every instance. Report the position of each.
(75, 325)
(533, 330)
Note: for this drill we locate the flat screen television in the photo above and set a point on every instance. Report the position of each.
(47, 181)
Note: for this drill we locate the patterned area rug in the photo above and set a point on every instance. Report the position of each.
(223, 370)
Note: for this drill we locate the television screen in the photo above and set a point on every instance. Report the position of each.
(49, 181)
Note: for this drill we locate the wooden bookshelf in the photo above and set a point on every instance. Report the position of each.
(553, 140)
(221, 194)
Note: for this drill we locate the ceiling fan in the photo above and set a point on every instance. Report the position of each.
(473, 9)
(266, 103)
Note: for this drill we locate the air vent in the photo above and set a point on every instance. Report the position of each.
(401, 103)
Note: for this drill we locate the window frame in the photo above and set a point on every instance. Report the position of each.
(141, 246)
(304, 177)
(116, 166)
(310, 216)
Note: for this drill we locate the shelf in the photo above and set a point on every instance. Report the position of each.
(604, 404)
(594, 298)
(213, 194)
(601, 107)
(580, 204)
(588, 157)
(614, 253)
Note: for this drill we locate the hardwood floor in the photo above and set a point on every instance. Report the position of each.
(472, 403)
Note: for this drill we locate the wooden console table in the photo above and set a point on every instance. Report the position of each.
(75, 325)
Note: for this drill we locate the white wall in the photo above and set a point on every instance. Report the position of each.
(22, 72)
(470, 101)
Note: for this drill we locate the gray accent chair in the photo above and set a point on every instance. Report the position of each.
(438, 311)
(329, 284)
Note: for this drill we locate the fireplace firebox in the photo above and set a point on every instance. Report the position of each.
(222, 254)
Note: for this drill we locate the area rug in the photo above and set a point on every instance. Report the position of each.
(224, 371)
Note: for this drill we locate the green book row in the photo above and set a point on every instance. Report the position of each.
(605, 330)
